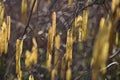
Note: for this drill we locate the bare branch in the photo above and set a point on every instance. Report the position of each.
(28, 22)
(114, 54)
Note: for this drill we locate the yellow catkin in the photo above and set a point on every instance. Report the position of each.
(68, 74)
(4, 40)
(8, 27)
(50, 41)
(35, 6)
(51, 34)
(54, 23)
(118, 12)
(4, 37)
(53, 74)
(31, 77)
(68, 53)
(19, 76)
(56, 58)
(56, 62)
(31, 57)
(57, 41)
(69, 45)
(19, 45)
(34, 51)
(49, 49)
(0, 42)
(115, 11)
(24, 9)
(80, 35)
(117, 39)
(28, 59)
(84, 25)
(79, 28)
(115, 3)
(49, 62)
(1, 12)
(34, 42)
(114, 21)
(70, 2)
(69, 71)
(101, 50)
(102, 23)
(75, 28)
(57, 46)
(104, 56)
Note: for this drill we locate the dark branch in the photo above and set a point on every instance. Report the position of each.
(78, 10)
(115, 54)
(28, 21)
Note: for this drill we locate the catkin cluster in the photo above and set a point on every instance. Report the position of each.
(4, 31)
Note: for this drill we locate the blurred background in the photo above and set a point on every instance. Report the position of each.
(39, 25)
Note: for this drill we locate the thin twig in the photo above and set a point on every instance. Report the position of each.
(29, 18)
(77, 12)
(114, 54)
(109, 65)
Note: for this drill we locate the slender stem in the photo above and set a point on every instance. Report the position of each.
(77, 11)
(29, 18)
(114, 54)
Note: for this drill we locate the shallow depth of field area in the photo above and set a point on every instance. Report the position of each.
(59, 39)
